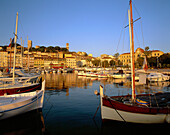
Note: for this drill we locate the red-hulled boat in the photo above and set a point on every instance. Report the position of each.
(132, 108)
(20, 88)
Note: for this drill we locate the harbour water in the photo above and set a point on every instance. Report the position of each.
(70, 106)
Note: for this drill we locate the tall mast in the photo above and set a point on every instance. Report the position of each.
(132, 51)
(21, 52)
(15, 42)
(28, 55)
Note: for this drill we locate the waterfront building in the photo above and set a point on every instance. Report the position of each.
(28, 61)
(108, 59)
(60, 55)
(3, 59)
(54, 62)
(125, 58)
(39, 62)
(71, 62)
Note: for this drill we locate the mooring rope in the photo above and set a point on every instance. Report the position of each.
(116, 110)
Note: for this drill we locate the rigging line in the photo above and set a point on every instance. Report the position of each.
(142, 33)
(141, 23)
(117, 111)
(22, 30)
(136, 37)
(136, 9)
(123, 40)
(119, 40)
(125, 19)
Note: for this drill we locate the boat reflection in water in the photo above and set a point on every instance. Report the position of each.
(28, 123)
(70, 104)
(62, 82)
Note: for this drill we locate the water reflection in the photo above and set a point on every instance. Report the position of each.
(139, 129)
(28, 123)
(62, 82)
(70, 105)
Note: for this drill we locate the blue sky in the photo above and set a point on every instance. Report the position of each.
(93, 26)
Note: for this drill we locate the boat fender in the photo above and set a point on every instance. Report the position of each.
(167, 118)
(96, 92)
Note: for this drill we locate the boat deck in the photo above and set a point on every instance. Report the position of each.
(153, 100)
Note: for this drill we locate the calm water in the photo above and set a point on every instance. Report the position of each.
(70, 105)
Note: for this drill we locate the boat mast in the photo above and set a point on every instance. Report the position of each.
(132, 51)
(15, 44)
(21, 53)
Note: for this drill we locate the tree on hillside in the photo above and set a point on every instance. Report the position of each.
(105, 64)
(147, 52)
(64, 49)
(140, 61)
(112, 63)
(164, 60)
(57, 48)
(50, 49)
(152, 61)
(116, 55)
(96, 62)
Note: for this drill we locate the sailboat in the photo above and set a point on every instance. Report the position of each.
(9, 86)
(145, 109)
(16, 104)
(17, 98)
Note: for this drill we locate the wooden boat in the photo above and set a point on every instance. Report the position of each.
(12, 105)
(120, 108)
(134, 108)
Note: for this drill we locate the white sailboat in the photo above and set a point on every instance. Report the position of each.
(12, 105)
(135, 108)
(15, 97)
(16, 85)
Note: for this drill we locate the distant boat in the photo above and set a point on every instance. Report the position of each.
(157, 77)
(120, 75)
(102, 75)
(146, 108)
(16, 104)
(81, 73)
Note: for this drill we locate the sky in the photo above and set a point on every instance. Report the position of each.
(92, 26)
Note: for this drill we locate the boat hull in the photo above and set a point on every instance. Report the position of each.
(112, 114)
(134, 115)
(23, 89)
(31, 101)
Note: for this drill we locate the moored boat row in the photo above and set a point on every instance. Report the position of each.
(22, 94)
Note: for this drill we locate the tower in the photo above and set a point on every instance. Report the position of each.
(29, 44)
(67, 46)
